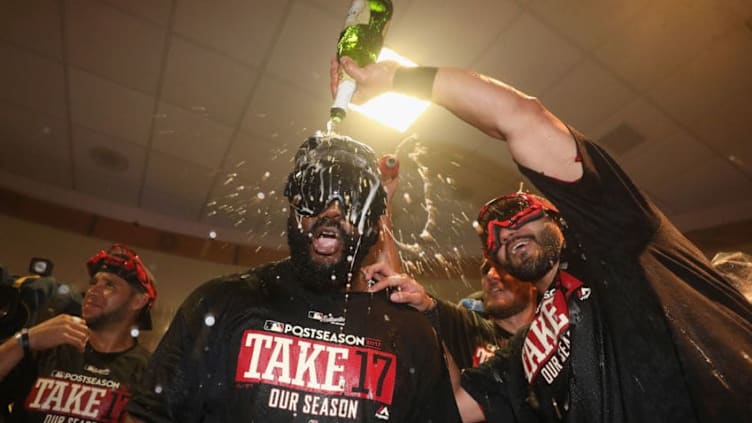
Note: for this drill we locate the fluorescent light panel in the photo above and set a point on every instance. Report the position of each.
(397, 111)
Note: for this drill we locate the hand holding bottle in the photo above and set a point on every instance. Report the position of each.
(372, 80)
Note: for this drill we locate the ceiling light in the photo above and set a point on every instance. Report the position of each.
(397, 111)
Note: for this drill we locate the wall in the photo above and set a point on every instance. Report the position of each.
(176, 276)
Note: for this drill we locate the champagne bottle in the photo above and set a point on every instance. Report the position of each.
(361, 40)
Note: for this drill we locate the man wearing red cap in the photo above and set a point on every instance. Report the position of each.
(77, 368)
(636, 325)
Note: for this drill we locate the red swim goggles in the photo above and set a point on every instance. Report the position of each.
(509, 212)
(122, 261)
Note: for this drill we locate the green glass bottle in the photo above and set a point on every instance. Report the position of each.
(361, 40)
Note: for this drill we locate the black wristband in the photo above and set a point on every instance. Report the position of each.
(23, 341)
(415, 82)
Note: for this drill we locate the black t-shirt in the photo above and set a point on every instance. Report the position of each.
(63, 385)
(470, 338)
(664, 337)
(259, 347)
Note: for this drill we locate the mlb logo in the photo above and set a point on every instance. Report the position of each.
(274, 326)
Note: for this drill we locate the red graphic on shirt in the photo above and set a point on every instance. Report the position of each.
(483, 353)
(62, 397)
(316, 366)
(546, 347)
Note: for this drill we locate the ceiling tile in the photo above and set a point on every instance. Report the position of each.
(648, 166)
(205, 82)
(586, 95)
(45, 131)
(642, 115)
(306, 43)
(157, 11)
(516, 56)
(427, 29)
(664, 37)
(705, 83)
(119, 183)
(104, 106)
(99, 153)
(42, 166)
(339, 8)
(270, 114)
(256, 207)
(584, 22)
(31, 80)
(726, 129)
(175, 186)
(252, 155)
(34, 24)
(95, 30)
(34, 145)
(714, 183)
(240, 28)
(190, 135)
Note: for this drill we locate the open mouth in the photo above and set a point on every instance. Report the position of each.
(326, 241)
(518, 245)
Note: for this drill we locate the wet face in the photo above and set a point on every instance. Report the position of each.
(109, 300)
(323, 247)
(532, 250)
(504, 295)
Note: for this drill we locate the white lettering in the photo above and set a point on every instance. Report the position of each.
(286, 400)
(279, 359)
(334, 369)
(55, 396)
(74, 399)
(261, 342)
(307, 365)
(42, 385)
(94, 399)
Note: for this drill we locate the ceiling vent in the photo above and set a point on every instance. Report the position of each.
(108, 159)
(621, 139)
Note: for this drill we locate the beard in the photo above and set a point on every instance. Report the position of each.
(533, 268)
(326, 277)
(109, 318)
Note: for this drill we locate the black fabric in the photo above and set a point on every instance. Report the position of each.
(63, 383)
(470, 338)
(668, 338)
(245, 366)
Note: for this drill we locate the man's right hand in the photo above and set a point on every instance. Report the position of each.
(372, 80)
(59, 330)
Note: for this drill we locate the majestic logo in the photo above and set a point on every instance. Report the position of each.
(382, 413)
(326, 318)
(84, 401)
(319, 367)
(91, 369)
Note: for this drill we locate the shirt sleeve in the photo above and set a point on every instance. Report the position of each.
(486, 384)
(604, 205)
(168, 390)
(462, 332)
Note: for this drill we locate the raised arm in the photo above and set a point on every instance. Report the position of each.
(537, 139)
(59, 330)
